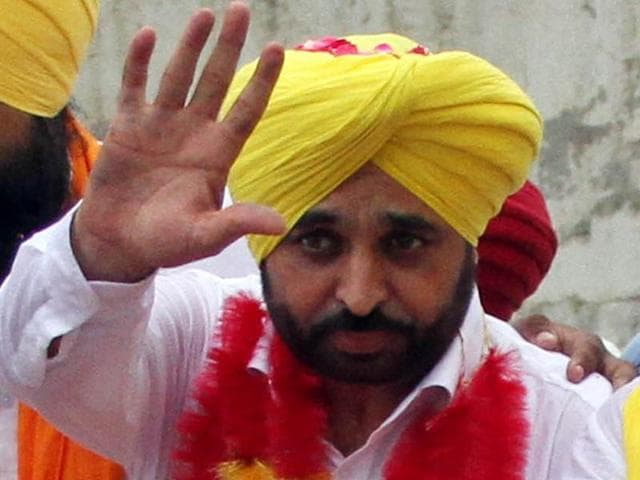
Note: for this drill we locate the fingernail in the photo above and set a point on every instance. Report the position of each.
(547, 339)
(576, 372)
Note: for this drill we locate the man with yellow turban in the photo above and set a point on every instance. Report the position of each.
(364, 178)
(45, 158)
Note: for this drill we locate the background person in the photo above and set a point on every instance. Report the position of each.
(515, 252)
(45, 159)
(632, 351)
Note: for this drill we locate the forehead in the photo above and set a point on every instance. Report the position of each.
(15, 127)
(372, 194)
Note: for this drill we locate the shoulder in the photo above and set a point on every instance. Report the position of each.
(545, 372)
(598, 450)
(625, 402)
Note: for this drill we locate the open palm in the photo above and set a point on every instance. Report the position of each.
(155, 196)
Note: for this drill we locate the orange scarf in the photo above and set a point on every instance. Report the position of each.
(43, 452)
(83, 150)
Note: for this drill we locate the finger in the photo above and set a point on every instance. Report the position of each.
(575, 372)
(250, 105)
(221, 66)
(586, 358)
(532, 326)
(547, 340)
(136, 67)
(618, 371)
(178, 76)
(216, 230)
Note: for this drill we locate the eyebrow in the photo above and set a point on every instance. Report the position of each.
(404, 221)
(407, 221)
(316, 217)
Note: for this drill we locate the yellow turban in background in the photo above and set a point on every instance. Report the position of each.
(42, 45)
(451, 128)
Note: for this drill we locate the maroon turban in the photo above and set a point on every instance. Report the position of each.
(515, 252)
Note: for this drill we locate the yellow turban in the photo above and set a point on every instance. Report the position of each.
(451, 128)
(43, 44)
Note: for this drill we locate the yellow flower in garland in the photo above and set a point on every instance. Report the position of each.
(238, 470)
(255, 470)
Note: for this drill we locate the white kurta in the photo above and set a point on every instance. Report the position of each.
(131, 351)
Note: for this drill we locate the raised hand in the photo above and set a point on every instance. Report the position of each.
(156, 193)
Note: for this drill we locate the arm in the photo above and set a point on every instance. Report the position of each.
(127, 349)
(153, 201)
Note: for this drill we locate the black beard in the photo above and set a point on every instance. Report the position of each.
(425, 345)
(34, 183)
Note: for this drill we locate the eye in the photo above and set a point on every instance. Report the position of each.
(404, 242)
(319, 242)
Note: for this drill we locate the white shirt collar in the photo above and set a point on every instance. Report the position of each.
(463, 355)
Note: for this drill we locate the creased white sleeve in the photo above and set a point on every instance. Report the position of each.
(128, 354)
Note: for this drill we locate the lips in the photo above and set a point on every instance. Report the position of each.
(366, 342)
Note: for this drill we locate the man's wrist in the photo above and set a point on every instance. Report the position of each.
(100, 261)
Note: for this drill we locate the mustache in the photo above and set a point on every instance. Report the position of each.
(345, 321)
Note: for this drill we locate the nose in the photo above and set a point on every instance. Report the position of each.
(362, 285)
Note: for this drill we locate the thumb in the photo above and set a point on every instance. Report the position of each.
(216, 230)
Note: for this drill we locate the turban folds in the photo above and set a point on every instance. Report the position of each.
(43, 44)
(515, 252)
(451, 128)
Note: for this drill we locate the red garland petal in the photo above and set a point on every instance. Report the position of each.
(244, 391)
(200, 445)
(344, 49)
(420, 50)
(383, 48)
(247, 392)
(318, 45)
(495, 440)
(212, 432)
(332, 45)
(297, 418)
(341, 46)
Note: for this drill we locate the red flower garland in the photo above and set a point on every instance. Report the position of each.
(297, 417)
(484, 421)
(482, 434)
